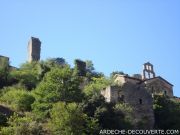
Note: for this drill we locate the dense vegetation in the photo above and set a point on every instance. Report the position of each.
(50, 97)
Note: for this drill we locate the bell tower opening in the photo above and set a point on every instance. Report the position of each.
(148, 71)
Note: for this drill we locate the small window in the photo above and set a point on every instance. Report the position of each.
(165, 92)
(152, 89)
(121, 98)
(140, 101)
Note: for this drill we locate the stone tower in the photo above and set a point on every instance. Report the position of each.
(148, 71)
(34, 49)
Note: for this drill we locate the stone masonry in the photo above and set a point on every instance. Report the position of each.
(34, 49)
(138, 92)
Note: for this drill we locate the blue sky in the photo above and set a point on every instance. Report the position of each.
(114, 34)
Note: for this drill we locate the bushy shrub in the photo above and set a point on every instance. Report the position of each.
(58, 85)
(167, 113)
(18, 99)
(96, 85)
(69, 119)
(21, 126)
(3, 119)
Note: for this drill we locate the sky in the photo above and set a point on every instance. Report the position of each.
(117, 35)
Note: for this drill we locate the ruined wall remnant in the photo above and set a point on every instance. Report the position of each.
(4, 60)
(80, 67)
(34, 49)
(137, 97)
(142, 103)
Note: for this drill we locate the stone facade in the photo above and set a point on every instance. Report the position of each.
(3, 60)
(34, 49)
(137, 97)
(138, 92)
(154, 85)
(159, 86)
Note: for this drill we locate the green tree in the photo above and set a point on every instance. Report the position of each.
(4, 71)
(52, 62)
(96, 85)
(47, 65)
(3, 120)
(89, 66)
(28, 75)
(127, 111)
(92, 103)
(90, 71)
(109, 115)
(18, 99)
(167, 113)
(112, 75)
(79, 68)
(111, 118)
(21, 126)
(69, 119)
(58, 85)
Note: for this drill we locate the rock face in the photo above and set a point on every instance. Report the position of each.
(34, 49)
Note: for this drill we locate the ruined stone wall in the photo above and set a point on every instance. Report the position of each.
(106, 92)
(80, 67)
(141, 102)
(131, 80)
(114, 93)
(34, 49)
(137, 97)
(121, 79)
(3, 60)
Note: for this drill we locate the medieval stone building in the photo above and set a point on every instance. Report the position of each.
(138, 92)
(3, 60)
(34, 49)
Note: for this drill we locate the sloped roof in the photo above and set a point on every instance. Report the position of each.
(4, 56)
(159, 77)
(127, 76)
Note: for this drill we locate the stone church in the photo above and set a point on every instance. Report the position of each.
(138, 92)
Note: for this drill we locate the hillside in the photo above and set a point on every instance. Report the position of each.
(50, 97)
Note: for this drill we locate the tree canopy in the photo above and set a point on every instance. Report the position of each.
(51, 97)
